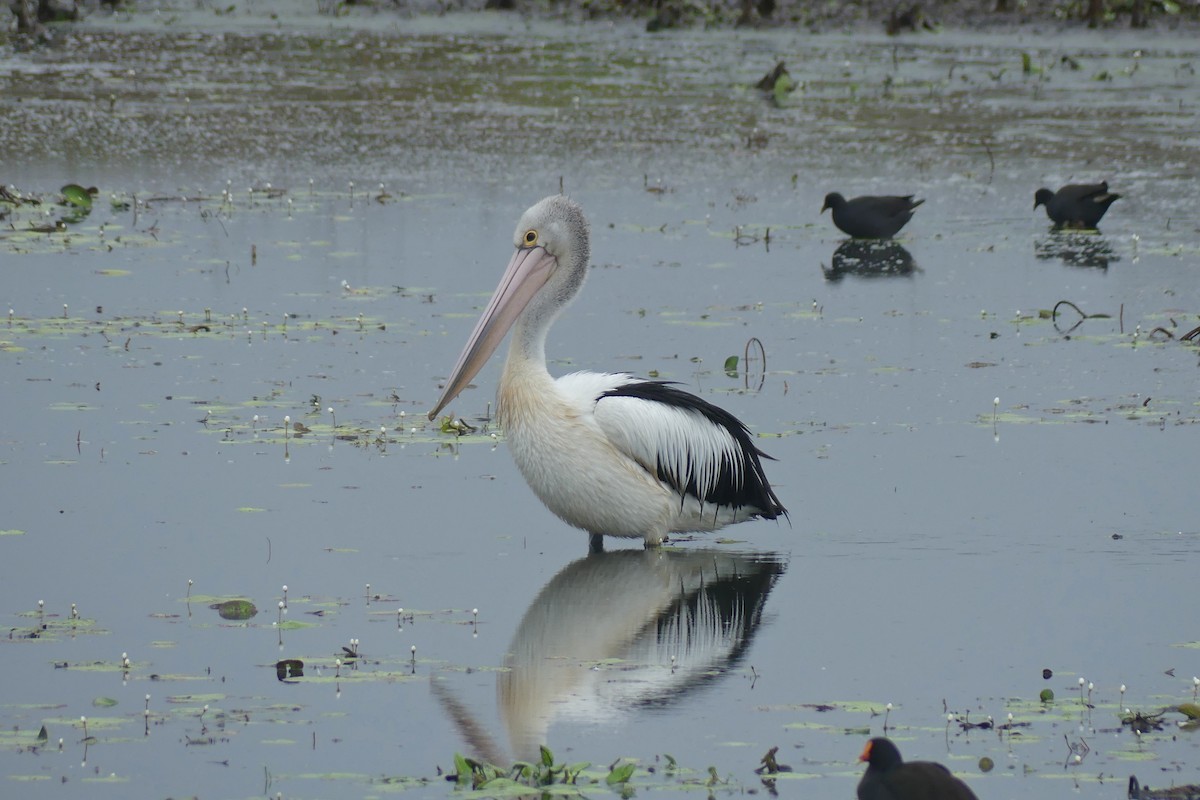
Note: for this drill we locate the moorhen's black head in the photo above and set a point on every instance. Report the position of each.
(889, 777)
(880, 753)
(833, 200)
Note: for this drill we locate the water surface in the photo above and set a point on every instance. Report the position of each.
(943, 548)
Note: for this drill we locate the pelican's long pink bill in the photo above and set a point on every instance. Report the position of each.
(527, 272)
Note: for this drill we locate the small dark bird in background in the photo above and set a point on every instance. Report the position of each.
(911, 19)
(768, 81)
(889, 777)
(1139, 792)
(869, 217)
(1076, 205)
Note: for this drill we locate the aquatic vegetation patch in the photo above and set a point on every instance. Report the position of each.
(43, 626)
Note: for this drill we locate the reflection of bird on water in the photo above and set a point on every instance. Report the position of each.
(665, 623)
(869, 217)
(870, 259)
(609, 453)
(1076, 250)
(1076, 205)
(889, 777)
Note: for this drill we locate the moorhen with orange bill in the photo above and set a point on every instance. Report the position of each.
(889, 777)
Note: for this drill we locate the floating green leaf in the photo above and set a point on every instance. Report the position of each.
(462, 769)
(457, 426)
(783, 87)
(104, 702)
(294, 625)
(573, 771)
(620, 774)
(235, 609)
(78, 196)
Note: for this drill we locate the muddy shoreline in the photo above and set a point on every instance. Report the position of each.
(897, 17)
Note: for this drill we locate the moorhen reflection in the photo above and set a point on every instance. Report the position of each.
(1076, 250)
(669, 622)
(870, 259)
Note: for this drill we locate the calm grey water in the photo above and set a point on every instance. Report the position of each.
(942, 551)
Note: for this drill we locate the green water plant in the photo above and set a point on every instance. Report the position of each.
(238, 609)
(480, 775)
(79, 197)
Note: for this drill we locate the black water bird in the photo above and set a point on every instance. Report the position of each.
(1076, 205)
(1189, 791)
(889, 777)
(870, 217)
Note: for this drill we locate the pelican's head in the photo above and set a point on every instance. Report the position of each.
(557, 225)
(543, 276)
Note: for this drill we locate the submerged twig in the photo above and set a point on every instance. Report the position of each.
(1054, 313)
(1082, 316)
(762, 352)
(1076, 751)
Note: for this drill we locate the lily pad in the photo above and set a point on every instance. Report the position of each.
(78, 196)
(1189, 710)
(235, 609)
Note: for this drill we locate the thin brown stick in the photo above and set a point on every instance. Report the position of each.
(762, 351)
(1054, 313)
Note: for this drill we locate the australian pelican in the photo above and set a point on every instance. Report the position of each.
(607, 452)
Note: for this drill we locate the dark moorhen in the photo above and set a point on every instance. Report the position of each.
(1076, 205)
(889, 777)
(870, 217)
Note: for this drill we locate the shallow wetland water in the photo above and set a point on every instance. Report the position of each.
(943, 549)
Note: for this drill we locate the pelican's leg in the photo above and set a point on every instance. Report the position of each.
(595, 543)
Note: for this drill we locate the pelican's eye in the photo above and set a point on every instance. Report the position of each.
(531, 238)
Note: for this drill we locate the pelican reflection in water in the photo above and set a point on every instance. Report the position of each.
(609, 453)
(616, 632)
